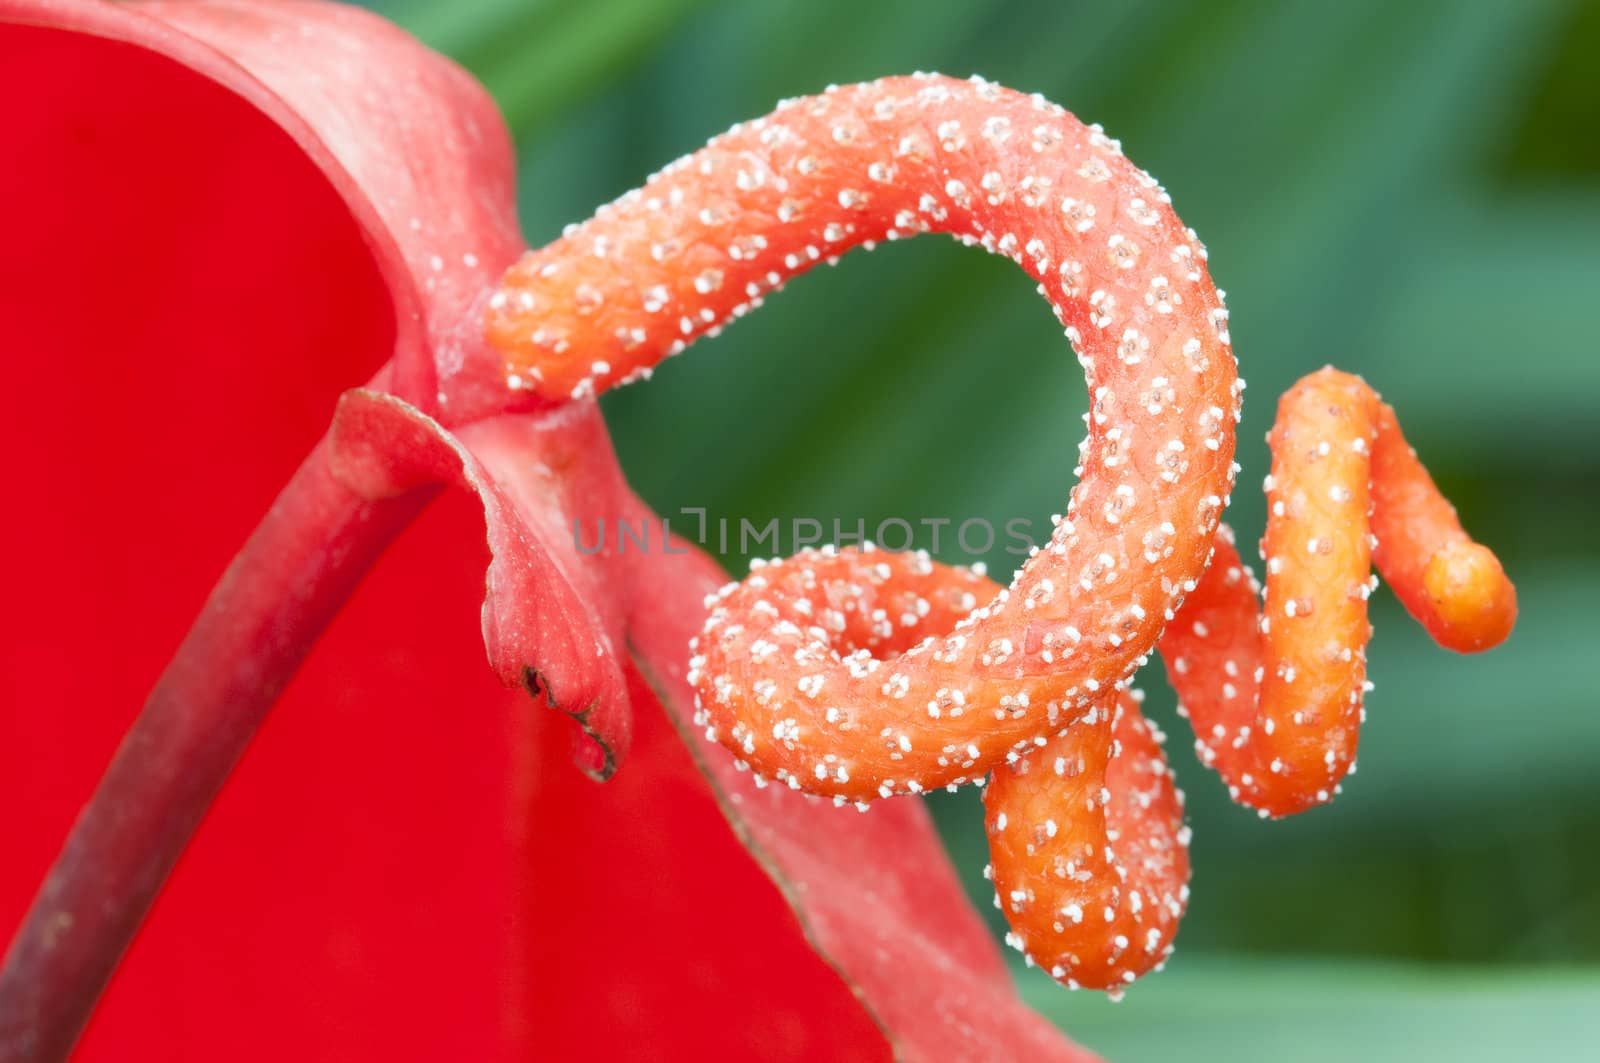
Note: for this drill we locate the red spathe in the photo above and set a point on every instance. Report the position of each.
(406, 864)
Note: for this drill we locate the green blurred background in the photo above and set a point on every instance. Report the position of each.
(1410, 191)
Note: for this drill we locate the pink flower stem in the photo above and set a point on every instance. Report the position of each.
(295, 572)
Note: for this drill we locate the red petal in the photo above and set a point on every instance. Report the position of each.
(549, 620)
(670, 942)
(168, 245)
(407, 866)
(411, 134)
(191, 278)
(378, 879)
(410, 143)
(874, 891)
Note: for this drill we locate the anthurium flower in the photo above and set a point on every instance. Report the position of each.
(632, 913)
(220, 218)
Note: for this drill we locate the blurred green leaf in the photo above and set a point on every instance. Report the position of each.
(1404, 190)
(1309, 1012)
(1487, 342)
(539, 57)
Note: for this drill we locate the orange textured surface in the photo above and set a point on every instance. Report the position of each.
(1274, 689)
(703, 241)
(1090, 854)
(861, 674)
